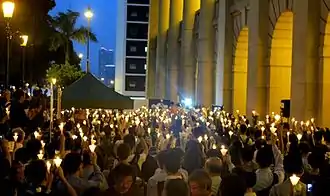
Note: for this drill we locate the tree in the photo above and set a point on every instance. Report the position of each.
(65, 74)
(65, 32)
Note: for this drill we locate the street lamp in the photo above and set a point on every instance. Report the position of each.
(52, 83)
(8, 8)
(25, 39)
(89, 15)
(80, 55)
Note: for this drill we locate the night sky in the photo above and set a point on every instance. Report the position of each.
(103, 25)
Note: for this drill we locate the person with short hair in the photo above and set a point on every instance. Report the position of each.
(73, 167)
(123, 180)
(200, 183)
(214, 167)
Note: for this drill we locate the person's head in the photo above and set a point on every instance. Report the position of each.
(161, 157)
(233, 185)
(36, 172)
(265, 156)
(172, 162)
(293, 165)
(200, 183)
(20, 134)
(304, 148)
(72, 164)
(123, 176)
(318, 136)
(213, 153)
(213, 166)
(130, 140)
(316, 160)
(86, 158)
(19, 95)
(176, 187)
(33, 148)
(7, 95)
(243, 129)
(123, 152)
(247, 154)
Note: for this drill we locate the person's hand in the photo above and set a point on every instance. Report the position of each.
(93, 158)
(50, 179)
(59, 172)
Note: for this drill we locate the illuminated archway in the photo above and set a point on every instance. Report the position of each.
(280, 62)
(240, 71)
(325, 79)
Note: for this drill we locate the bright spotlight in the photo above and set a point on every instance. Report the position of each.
(188, 102)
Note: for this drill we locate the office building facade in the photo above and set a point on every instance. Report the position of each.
(244, 54)
(107, 66)
(131, 47)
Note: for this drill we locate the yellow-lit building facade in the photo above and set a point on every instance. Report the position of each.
(244, 54)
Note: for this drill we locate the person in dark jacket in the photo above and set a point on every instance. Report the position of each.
(18, 117)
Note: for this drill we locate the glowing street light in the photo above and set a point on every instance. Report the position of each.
(8, 8)
(112, 82)
(89, 15)
(80, 55)
(25, 39)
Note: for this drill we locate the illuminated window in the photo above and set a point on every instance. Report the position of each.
(132, 85)
(132, 66)
(132, 48)
(134, 14)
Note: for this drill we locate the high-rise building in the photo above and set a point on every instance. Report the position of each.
(107, 66)
(131, 47)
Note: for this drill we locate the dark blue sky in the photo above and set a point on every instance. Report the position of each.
(103, 24)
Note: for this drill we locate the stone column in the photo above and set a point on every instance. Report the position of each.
(163, 24)
(205, 63)
(187, 48)
(173, 52)
(224, 56)
(305, 60)
(257, 54)
(152, 43)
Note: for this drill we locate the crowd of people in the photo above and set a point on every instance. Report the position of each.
(158, 151)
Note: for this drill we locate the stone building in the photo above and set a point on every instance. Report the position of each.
(244, 54)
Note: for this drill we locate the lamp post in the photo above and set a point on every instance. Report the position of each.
(8, 8)
(52, 83)
(23, 44)
(89, 15)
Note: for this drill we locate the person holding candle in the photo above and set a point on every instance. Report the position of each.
(266, 178)
(40, 181)
(73, 167)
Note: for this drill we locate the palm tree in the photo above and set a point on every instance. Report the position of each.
(64, 24)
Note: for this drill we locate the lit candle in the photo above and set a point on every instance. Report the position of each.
(168, 136)
(42, 143)
(230, 133)
(294, 179)
(15, 137)
(149, 130)
(214, 146)
(85, 138)
(200, 139)
(58, 161)
(253, 112)
(78, 125)
(205, 137)
(84, 122)
(92, 147)
(74, 137)
(299, 136)
(223, 150)
(277, 117)
(36, 134)
(40, 155)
